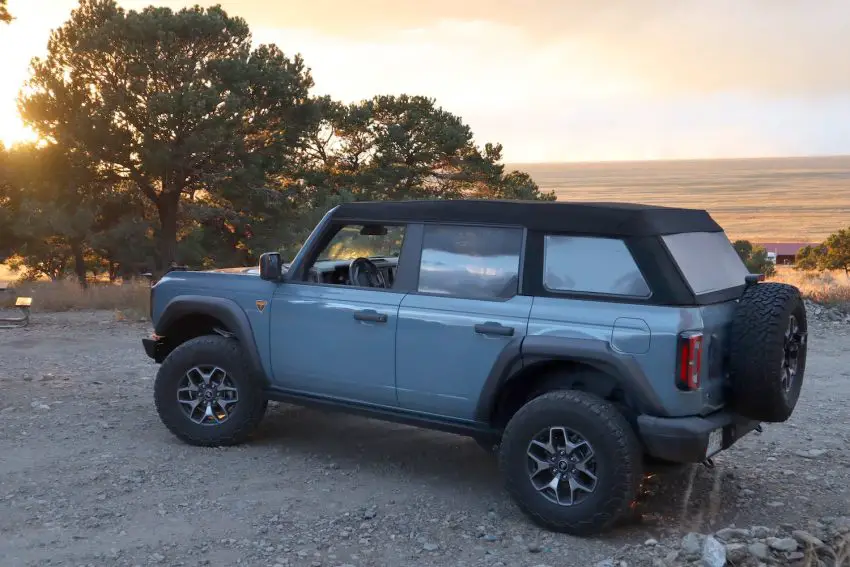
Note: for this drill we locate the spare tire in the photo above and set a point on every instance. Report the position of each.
(767, 355)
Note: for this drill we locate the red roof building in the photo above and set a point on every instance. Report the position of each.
(784, 252)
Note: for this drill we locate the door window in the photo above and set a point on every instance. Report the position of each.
(375, 248)
(470, 262)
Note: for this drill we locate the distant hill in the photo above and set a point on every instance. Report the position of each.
(770, 199)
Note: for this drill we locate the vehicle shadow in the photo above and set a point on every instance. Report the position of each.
(681, 499)
(355, 442)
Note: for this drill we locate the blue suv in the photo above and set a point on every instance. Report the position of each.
(576, 340)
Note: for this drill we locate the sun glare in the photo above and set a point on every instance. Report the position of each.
(12, 131)
(21, 40)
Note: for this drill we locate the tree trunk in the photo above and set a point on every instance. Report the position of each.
(167, 206)
(79, 263)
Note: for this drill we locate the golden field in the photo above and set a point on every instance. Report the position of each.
(767, 200)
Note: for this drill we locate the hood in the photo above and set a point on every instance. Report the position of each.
(252, 270)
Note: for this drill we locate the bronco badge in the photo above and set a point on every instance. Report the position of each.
(261, 305)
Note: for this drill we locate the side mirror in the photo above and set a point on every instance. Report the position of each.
(270, 266)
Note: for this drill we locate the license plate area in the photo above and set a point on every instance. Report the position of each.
(715, 442)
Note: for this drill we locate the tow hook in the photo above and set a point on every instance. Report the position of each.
(708, 463)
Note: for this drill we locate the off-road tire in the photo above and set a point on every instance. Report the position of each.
(617, 450)
(756, 349)
(228, 355)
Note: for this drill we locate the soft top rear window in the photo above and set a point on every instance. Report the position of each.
(707, 260)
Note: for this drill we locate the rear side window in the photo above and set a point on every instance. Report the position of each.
(707, 260)
(591, 265)
(472, 262)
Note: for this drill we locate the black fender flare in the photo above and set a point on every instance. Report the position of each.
(225, 310)
(522, 353)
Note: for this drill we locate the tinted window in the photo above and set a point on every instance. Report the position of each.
(707, 260)
(477, 262)
(591, 265)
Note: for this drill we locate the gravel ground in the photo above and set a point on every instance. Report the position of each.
(89, 476)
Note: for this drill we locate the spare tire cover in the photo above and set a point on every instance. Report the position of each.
(767, 352)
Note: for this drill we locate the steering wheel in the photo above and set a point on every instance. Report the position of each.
(364, 273)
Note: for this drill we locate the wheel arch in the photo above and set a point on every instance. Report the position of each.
(549, 374)
(186, 317)
(539, 364)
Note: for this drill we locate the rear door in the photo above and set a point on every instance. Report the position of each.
(464, 312)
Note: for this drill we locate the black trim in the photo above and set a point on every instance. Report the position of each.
(507, 365)
(154, 348)
(519, 354)
(385, 413)
(685, 439)
(667, 283)
(609, 219)
(225, 310)
(407, 276)
(721, 296)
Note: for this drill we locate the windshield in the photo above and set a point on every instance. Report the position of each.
(349, 244)
(707, 260)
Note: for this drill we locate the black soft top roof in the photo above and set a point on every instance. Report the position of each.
(600, 219)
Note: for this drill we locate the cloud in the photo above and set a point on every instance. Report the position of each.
(566, 79)
(772, 46)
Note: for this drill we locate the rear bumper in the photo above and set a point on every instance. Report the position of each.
(686, 439)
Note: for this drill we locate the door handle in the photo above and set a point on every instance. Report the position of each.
(491, 328)
(370, 316)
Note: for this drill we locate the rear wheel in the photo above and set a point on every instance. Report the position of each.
(571, 462)
(206, 395)
(768, 344)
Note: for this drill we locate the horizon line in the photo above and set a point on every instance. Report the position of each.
(672, 160)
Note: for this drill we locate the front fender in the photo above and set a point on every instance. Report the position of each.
(231, 315)
(534, 349)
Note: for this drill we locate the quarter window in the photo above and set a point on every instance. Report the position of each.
(473, 262)
(591, 265)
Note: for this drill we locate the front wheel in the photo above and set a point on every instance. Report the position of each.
(571, 462)
(206, 395)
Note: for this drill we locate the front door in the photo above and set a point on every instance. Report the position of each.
(463, 314)
(334, 336)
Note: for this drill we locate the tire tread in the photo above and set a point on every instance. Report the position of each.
(755, 348)
(256, 403)
(628, 470)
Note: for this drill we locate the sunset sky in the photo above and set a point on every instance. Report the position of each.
(556, 80)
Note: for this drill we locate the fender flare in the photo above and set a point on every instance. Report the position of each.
(225, 310)
(522, 353)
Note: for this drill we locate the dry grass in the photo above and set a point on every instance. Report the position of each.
(826, 288)
(130, 300)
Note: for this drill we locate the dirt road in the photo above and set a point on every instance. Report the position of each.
(89, 476)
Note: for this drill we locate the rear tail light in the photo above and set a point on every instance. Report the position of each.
(690, 361)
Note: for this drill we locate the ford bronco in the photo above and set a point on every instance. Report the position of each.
(575, 340)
